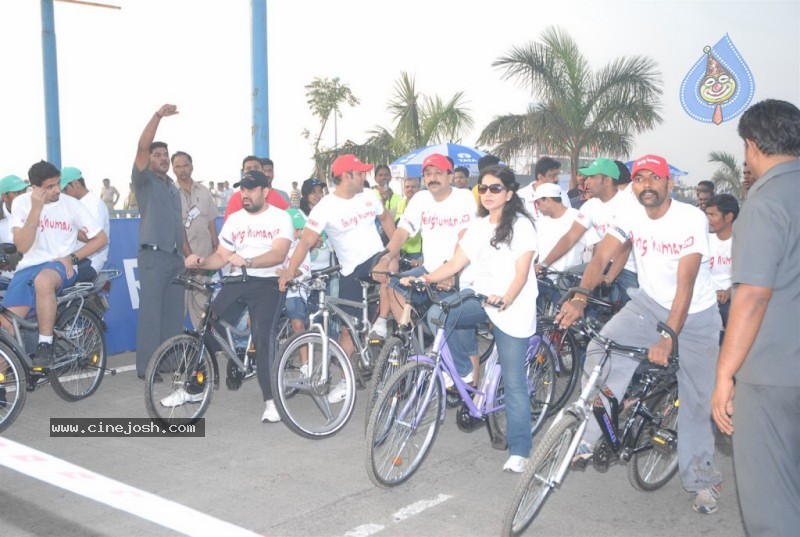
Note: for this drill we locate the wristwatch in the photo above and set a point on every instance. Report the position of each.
(249, 262)
(665, 334)
(74, 259)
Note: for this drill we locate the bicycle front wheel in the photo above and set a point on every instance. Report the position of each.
(403, 424)
(540, 371)
(540, 474)
(655, 458)
(179, 381)
(13, 386)
(79, 361)
(393, 355)
(312, 406)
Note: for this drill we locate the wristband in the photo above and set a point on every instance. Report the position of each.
(580, 298)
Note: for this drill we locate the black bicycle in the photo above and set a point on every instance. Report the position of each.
(647, 441)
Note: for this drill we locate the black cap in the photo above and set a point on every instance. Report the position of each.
(309, 184)
(624, 173)
(252, 179)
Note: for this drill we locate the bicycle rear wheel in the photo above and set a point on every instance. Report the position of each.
(13, 386)
(307, 403)
(179, 382)
(540, 472)
(403, 424)
(79, 358)
(651, 468)
(540, 370)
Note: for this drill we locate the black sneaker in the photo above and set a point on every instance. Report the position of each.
(44, 355)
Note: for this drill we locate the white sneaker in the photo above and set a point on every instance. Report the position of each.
(338, 393)
(515, 464)
(448, 382)
(180, 397)
(379, 328)
(304, 370)
(270, 413)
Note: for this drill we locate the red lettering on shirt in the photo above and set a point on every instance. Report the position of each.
(432, 221)
(46, 223)
(358, 217)
(257, 233)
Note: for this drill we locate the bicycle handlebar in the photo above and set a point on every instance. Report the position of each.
(423, 286)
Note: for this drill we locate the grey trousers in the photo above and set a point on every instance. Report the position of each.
(195, 302)
(766, 455)
(161, 303)
(698, 343)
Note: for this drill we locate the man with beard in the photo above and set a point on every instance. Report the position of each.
(161, 243)
(258, 238)
(670, 246)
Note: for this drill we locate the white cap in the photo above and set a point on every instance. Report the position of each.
(547, 190)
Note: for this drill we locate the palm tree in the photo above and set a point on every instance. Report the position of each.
(578, 110)
(728, 177)
(324, 97)
(418, 120)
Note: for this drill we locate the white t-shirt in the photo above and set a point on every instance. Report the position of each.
(440, 222)
(350, 225)
(659, 244)
(57, 234)
(526, 193)
(550, 230)
(99, 211)
(720, 261)
(494, 269)
(6, 237)
(251, 235)
(594, 213)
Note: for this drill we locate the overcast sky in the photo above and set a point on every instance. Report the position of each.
(117, 67)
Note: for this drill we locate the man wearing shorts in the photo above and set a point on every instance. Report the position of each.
(46, 226)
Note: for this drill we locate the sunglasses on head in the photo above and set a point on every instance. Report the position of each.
(494, 189)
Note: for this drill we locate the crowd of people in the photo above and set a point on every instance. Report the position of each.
(715, 273)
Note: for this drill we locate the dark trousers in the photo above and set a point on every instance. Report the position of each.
(160, 303)
(264, 301)
(766, 456)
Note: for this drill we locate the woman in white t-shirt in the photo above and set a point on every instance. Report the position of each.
(500, 248)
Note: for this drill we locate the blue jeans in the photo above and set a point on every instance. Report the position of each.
(460, 328)
(512, 352)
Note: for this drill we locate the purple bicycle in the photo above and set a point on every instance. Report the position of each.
(409, 410)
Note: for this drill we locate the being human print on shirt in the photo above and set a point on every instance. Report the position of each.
(251, 235)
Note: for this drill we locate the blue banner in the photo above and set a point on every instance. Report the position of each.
(124, 296)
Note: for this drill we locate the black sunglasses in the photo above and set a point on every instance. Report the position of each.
(494, 189)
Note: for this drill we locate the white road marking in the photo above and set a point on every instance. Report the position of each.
(365, 530)
(68, 476)
(418, 507)
(403, 514)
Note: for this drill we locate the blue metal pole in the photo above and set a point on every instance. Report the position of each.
(258, 46)
(50, 66)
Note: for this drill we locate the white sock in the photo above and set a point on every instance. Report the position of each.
(45, 339)
(380, 322)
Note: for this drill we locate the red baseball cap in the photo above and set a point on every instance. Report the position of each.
(348, 163)
(654, 163)
(440, 161)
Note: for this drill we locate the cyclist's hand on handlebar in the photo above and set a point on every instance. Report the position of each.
(499, 301)
(447, 284)
(193, 261)
(237, 261)
(283, 280)
(569, 313)
(407, 281)
(541, 270)
(659, 353)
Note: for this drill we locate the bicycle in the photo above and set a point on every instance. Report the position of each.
(183, 362)
(407, 415)
(79, 346)
(648, 440)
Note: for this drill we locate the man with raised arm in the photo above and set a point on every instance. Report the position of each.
(46, 227)
(347, 215)
(161, 243)
(670, 248)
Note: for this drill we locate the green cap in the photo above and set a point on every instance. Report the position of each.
(298, 218)
(601, 165)
(12, 183)
(69, 174)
